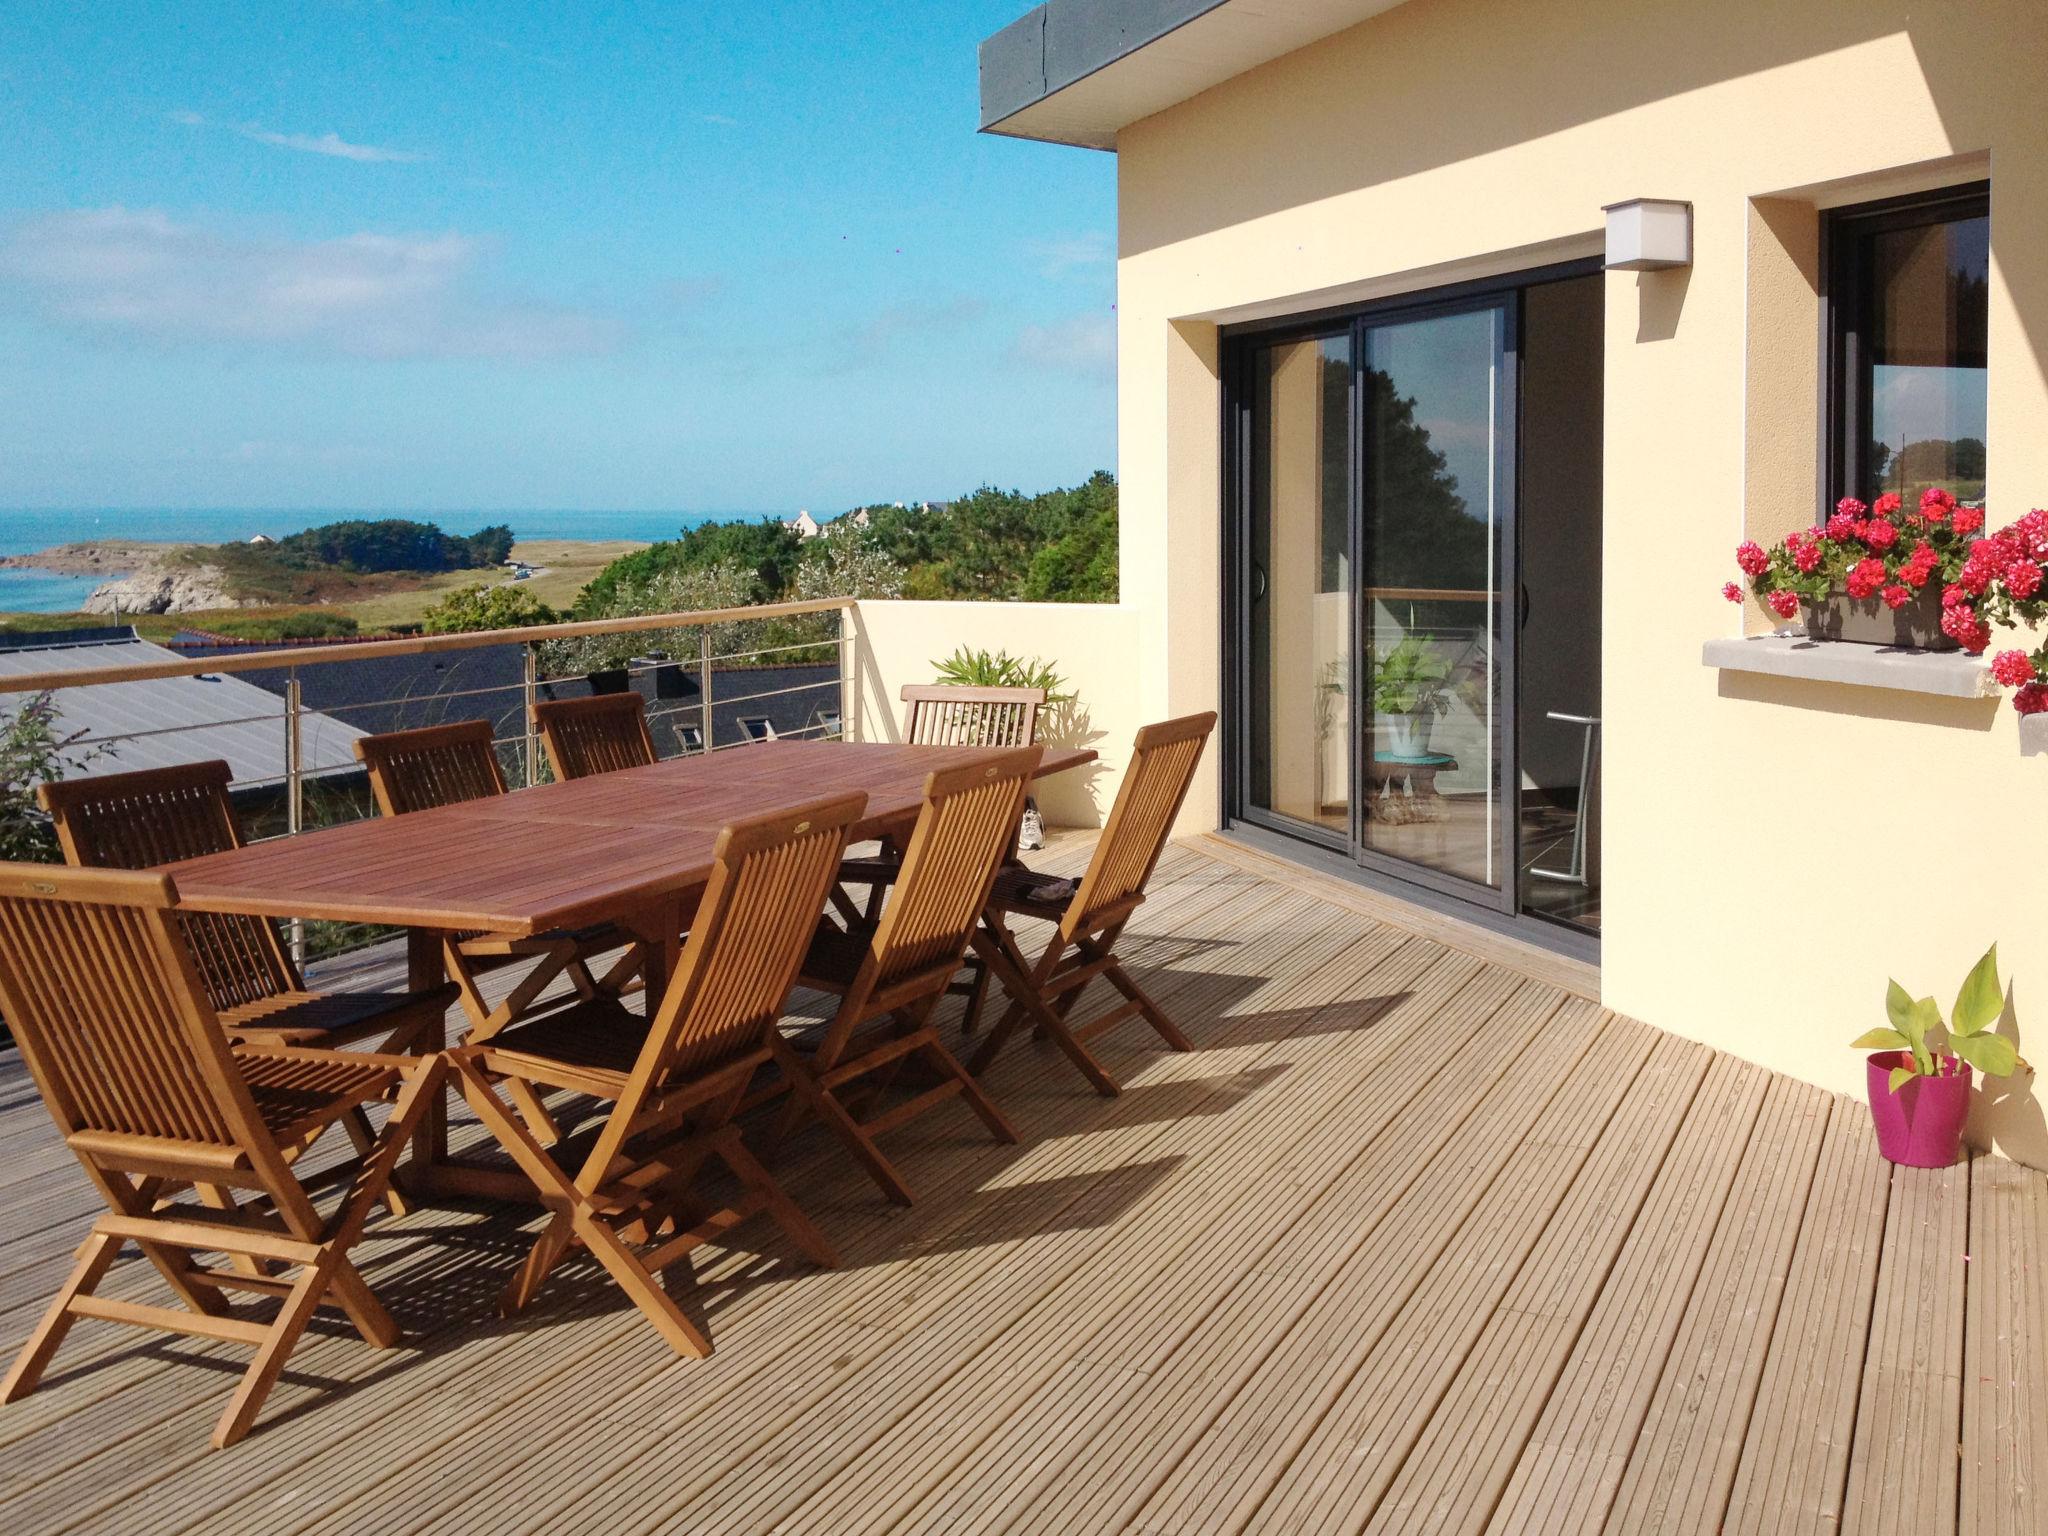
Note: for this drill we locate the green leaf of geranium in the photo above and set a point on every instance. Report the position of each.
(1993, 1055)
(1879, 1040)
(1982, 1000)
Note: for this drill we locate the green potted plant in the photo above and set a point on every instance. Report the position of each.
(1920, 1068)
(1410, 689)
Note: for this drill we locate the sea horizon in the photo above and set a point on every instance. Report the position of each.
(29, 530)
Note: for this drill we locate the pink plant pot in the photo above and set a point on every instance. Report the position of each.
(1922, 1124)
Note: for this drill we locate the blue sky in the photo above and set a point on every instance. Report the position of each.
(444, 255)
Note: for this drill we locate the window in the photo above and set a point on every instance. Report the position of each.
(1908, 282)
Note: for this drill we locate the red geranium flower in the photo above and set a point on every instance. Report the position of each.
(1841, 526)
(1879, 534)
(2032, 699)
(1865, 577)
(1887, 505)
(1850, 506)
(1783, 604)
(2023, 579)
(1751, 557)
(1968, 519)
(1936, 503)
(1951, 595)
(1962, 625)
(1732, 592)
(1895, 596)
(2012, 669)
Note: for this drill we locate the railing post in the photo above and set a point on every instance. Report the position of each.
(704, 678)
(294, 789)
(531, 695)
(849, 674)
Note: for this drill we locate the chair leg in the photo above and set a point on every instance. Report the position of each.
(354, 1296)
(364, 1139)
(977, 996)
(534, 1111)
(564, 1200)
(787, 1213)
(263, 1371)
(1153, 1014)
(1027, 1002)
(95, 1258)
(822, 1102)
(977, 1098)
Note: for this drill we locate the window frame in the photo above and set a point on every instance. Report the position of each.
(1847, 314)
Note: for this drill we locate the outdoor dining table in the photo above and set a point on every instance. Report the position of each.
(631, 848)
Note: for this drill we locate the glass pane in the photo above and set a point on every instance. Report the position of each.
(1432, 674)
(1928, 294)
(1557, 519)
(1301, 581)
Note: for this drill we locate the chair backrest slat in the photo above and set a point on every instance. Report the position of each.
(1163, 760)
(432, 766)
(759, 909)
(964, 829)
(104, 999)
(946, 715)
(598, 734)
(156, 816)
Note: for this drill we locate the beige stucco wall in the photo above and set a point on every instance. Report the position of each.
(1772, 849)
(1093, 647)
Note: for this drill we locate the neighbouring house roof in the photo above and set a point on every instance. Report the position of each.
(1079, 71)
(168, 720)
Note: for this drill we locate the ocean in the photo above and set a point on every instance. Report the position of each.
(24, 531)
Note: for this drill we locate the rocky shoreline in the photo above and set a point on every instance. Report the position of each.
(113, 557)
(142, 577)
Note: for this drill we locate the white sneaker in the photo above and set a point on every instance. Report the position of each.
(1031, 832)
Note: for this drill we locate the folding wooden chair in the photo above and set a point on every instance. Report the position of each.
(598, 734)
(108, 1004)
(1091, 920)
(948, 715)
(890, 977)
(160, 815)
(674, 1085)
(440, 765)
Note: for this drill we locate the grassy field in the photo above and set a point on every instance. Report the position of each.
(566, 565)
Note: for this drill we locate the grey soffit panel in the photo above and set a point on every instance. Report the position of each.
(1063, 41)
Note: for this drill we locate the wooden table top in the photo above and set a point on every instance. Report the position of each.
(562, 855)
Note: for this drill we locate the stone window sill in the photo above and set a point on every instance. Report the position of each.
(1946, 674)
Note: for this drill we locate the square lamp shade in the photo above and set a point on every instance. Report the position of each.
(1648, 234)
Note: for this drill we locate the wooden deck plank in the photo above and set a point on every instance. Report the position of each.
(1795, 1460)
(1572, 1465)
(2005, 1377)
(1684, 1462)
(1902, 1463)
(1463, 1461)
(1127, 1368)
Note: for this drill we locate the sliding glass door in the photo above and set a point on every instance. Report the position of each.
(1414, 689)
(1437, 419)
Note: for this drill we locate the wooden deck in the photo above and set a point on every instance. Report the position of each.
(1416, 1241)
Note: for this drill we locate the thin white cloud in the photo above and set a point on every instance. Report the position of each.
(1069, 254)
(719, 118)
(910, 322)
(141, 275)
(1079, 344)
(330, 144)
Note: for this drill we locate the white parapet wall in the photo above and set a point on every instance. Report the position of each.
(1093, 647)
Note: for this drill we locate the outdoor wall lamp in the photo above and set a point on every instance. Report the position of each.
(1648, 234)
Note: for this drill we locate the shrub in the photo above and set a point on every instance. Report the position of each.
(484, 606)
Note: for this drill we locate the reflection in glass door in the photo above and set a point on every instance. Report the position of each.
(1416, 677)
(1433, 507)
(1300, 573)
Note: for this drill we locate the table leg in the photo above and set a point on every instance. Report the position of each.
(424, 970)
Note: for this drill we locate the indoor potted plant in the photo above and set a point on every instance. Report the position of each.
(1919, 1070)
(1410, 689)
(1884, 574)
